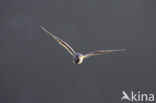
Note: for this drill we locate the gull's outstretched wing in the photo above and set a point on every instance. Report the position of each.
(61, 42)
(100, 52)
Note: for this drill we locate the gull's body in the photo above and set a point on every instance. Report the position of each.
(78, 57)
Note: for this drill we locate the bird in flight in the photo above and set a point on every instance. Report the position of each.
(78, 57)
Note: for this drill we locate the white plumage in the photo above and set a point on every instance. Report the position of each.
(78, 57)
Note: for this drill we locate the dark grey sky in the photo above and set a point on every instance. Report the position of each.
(35, 69)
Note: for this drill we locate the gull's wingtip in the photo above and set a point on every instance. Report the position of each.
(119, 50)
(44, 29)
(48, 32)
(123, 49)
(41, 27)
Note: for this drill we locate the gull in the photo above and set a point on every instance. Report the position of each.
(78, 57)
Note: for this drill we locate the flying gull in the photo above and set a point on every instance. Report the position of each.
(78, 57)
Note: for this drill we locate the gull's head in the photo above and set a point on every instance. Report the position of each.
(78, 58)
